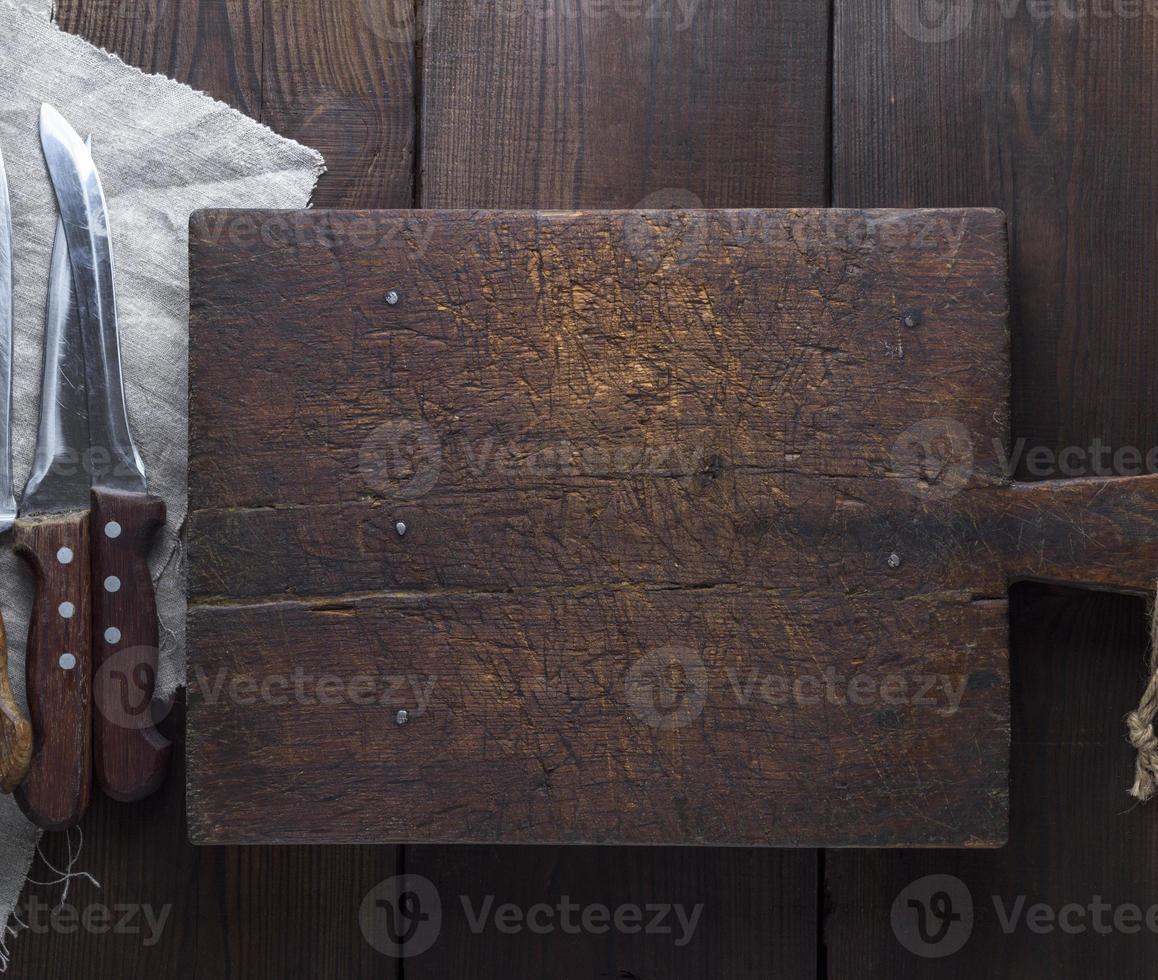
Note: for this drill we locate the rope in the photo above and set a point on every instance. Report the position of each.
(1140, 722)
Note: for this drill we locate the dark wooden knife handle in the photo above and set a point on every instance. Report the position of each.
(131, 756)
(55, 793)
(15, 731)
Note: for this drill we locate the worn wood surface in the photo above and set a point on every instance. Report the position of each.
(130, 757)
(55, 792)
(653, 344)
(537, 736)
(696, 426)
(1098, 532)
(994, 119)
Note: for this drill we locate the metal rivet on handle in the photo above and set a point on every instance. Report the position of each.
(112, 635)
(402, 717)
(400, 528)
(392, 298)
(66, 609)
(64, 556)
(112, 530)
(67, 661)
(112, 584)
(894, 560)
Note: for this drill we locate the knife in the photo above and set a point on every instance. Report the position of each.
(131, 757)
(15, 731)
(52, 534)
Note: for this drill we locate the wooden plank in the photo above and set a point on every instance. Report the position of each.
(1101, 533)
(636, 142)
(699, 906)
(213, 45)
(625, 342)
(1048, 117)
(655, 103)
(772, 554)
(340, 77)
(536, 718)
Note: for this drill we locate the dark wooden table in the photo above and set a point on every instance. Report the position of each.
(593, 103)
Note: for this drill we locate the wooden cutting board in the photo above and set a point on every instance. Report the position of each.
(663, 527)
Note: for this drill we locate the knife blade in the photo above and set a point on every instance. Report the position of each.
(51, 533)
(15, 731)
(131, 757)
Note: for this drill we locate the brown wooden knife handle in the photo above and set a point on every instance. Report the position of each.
(15, 731)
(131, 756)
(55, 793)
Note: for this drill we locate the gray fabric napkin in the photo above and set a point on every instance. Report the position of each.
(163, 151)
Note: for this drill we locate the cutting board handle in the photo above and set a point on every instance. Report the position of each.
(1097, 532)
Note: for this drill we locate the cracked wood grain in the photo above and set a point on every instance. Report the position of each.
(525, 724)
(668, 533)
(587, 346)
(648, 464)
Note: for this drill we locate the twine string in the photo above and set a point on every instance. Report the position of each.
(66, 876)
(1140, 723)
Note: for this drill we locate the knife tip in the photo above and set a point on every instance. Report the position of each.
(56, 130)
(49, 115)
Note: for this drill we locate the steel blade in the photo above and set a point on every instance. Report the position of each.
(59, 480)
(115, 462)
(7, 496)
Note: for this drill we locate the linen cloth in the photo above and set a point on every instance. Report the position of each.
(163, 151)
